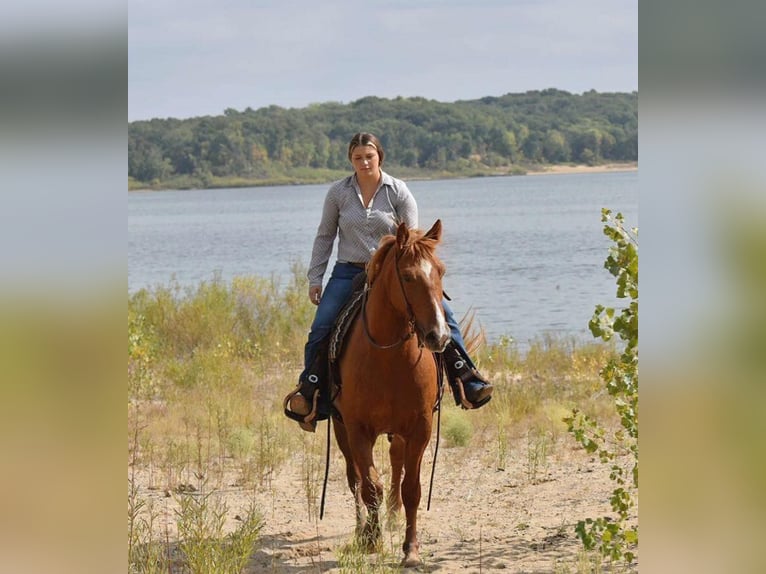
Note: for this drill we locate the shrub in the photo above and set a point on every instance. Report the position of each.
(456, 428)
(613, 537)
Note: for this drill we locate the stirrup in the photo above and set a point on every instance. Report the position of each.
(460, 372)
(306, 422)
(457, 385)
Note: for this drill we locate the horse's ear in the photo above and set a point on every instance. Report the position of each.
(402, 235)
(435, 232)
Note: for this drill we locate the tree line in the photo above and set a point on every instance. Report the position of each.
(503, 134)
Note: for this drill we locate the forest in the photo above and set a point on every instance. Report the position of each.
(509, 134)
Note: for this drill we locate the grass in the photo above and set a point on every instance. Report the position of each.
(206, 370)
(208, 367)
(457, 429)
(203, 542)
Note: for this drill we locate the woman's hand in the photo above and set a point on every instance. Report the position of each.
(315, 294)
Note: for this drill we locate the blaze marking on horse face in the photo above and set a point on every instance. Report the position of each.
(426, 266)
(441, 324)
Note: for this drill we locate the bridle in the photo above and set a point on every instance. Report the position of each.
(411, 329)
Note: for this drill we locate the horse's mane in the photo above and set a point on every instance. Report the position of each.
(419, 246)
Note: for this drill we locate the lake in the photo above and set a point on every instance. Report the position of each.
(526, 253)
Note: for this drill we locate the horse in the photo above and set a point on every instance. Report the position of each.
(388, 375)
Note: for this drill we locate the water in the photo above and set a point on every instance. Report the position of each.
(526, 253)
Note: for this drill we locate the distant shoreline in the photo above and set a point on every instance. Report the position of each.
(536, 171)
(569, 169)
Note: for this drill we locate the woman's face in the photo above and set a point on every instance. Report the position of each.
(365, 160)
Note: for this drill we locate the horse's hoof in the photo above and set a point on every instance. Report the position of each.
(412, 560)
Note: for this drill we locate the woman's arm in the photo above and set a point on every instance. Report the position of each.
(407, 207)
(325, 237)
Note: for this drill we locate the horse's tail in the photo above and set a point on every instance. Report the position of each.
(474, 336)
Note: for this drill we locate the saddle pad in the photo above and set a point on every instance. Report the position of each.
(346, 318)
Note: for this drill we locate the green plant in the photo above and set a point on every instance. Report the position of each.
(354, 558)
(538, 445)
(502, 445)
(141, 354)
(456, 428)
(201, 519)
(587, 562)
(311, 474)
(614, 537)
(146, 554)
(504, 355)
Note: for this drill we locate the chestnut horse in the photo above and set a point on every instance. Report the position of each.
(389, 378)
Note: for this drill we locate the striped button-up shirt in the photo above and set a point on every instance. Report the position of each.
(359, 228)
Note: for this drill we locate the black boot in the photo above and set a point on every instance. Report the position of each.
(469, 388)
(309, 402)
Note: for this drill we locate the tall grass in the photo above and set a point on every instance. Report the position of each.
(534, 391)
(207, 369)
(205, 545)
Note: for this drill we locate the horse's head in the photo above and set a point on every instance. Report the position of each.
(414, 272)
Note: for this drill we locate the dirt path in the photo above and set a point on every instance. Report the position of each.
(519, 519)
(481, 518)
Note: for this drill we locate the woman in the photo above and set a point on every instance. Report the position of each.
(359, 210)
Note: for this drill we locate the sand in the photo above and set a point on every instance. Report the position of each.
(518, 519)
(569, 169)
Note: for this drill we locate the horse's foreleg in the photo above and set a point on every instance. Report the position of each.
(371, 487)
(396, 453)
(341, 437)
(353, 476)
(413, 456)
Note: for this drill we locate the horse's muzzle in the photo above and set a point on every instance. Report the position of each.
(435, 340)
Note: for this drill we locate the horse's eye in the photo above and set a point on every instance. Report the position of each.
(408, 278)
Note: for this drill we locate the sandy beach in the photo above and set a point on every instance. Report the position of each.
(568, 169)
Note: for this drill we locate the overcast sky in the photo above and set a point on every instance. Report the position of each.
(195, 57)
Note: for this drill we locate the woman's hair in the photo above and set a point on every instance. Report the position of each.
(364, 139)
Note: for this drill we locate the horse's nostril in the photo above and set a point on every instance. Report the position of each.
(443, 341)
(436, 341)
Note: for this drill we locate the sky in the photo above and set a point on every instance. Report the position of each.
(195, 57)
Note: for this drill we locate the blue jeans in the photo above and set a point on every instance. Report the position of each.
(335, 295)
(457, 336)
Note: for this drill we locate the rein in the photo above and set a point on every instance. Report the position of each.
(439, 358)
(327, 471)
(410, 320)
